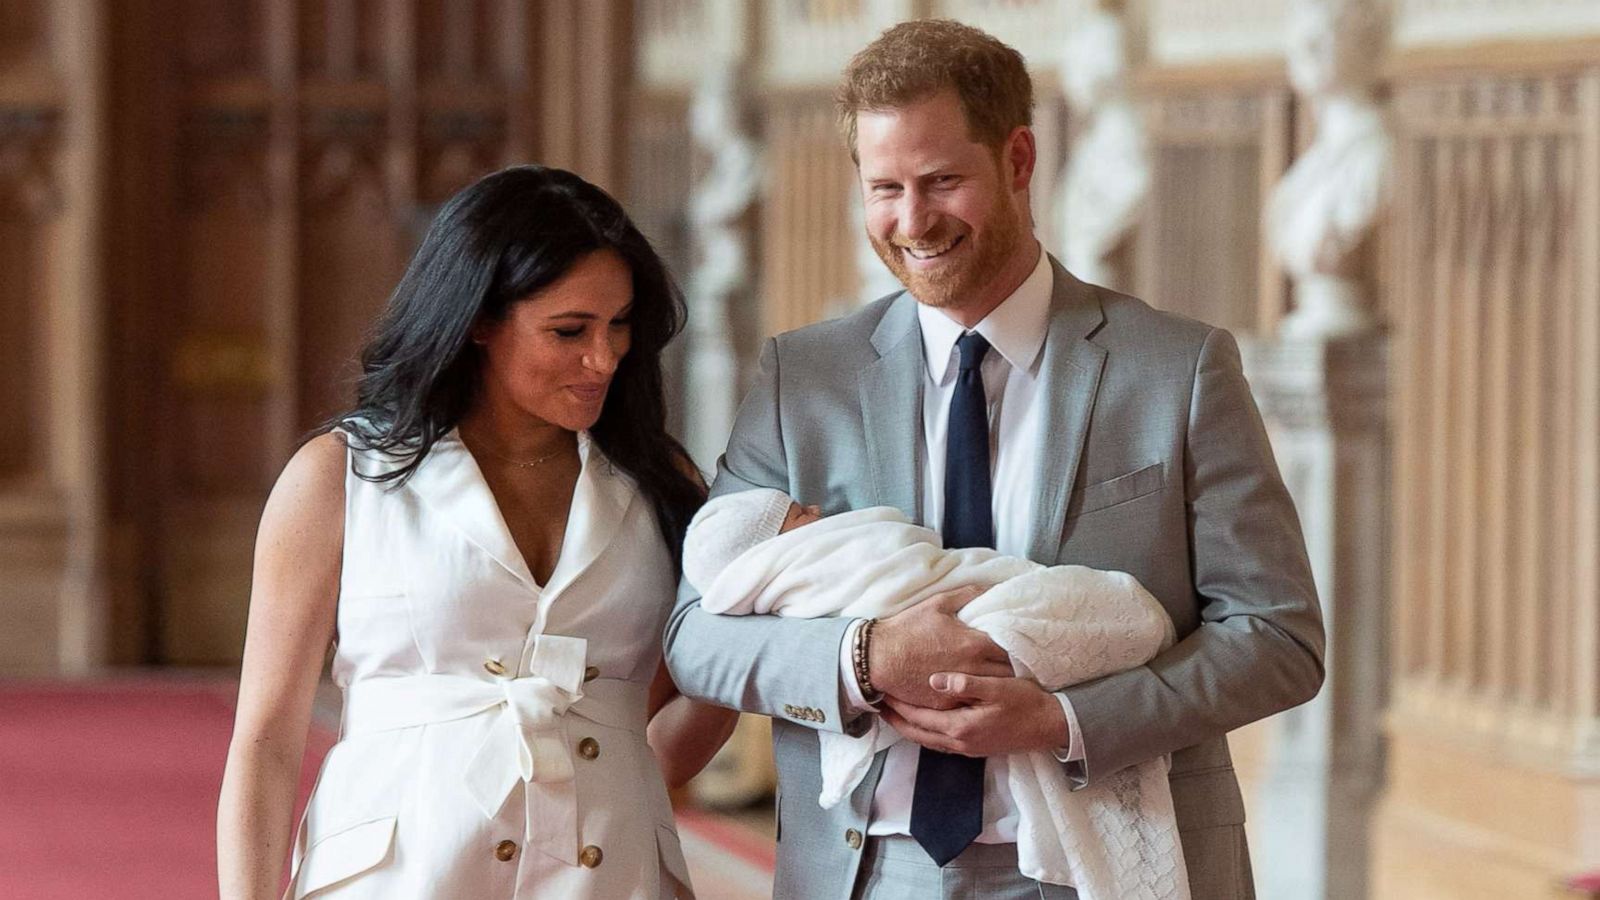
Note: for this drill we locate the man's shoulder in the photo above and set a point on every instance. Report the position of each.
(1130, 319)
(845, 335)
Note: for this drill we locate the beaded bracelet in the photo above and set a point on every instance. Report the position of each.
(858, 657)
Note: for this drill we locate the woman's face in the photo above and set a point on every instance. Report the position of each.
(554, 353)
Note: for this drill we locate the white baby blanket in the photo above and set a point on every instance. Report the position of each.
(1114, 840)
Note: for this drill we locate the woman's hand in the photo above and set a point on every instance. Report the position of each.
(684, 733)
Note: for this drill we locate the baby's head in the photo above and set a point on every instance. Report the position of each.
(733, 523)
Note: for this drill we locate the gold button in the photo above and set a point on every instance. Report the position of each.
(590, 856)
(853, 838)
(591, 673)
(505, 850)
(588, 748)
(494, 667)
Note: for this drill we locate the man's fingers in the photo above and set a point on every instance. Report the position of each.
(962, 685)
(916, 733)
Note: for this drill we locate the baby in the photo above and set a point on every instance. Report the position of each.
(761, 552)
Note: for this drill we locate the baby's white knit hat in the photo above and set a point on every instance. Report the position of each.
(728, 526)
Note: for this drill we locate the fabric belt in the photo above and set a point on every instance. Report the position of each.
(527, 741)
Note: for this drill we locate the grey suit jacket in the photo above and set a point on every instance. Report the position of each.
(1155, 463)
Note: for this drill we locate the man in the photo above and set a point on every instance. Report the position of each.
(1010, 405)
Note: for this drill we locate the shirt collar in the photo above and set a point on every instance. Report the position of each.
(1015, 328)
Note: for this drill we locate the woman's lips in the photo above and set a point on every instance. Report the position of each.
(588, 393)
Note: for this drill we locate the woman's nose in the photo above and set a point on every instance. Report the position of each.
(602, 357)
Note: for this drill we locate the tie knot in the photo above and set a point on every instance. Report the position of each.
(973, 347)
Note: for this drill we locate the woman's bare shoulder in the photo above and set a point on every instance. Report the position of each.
(309, 494)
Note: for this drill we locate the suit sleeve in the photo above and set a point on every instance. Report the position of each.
(1259, 647)
(787, 668)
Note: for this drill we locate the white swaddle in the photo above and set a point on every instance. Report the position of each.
(1062, 625)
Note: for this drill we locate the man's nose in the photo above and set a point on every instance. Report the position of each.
(916, 216)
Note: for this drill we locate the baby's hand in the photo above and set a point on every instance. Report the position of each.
(799, 515)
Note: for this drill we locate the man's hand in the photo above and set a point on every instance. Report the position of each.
(992, 716)
(910, 646)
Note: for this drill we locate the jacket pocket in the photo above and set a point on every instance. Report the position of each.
(344, 854)
(674, 870)
(1120, 489)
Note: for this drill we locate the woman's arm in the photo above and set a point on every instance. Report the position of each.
(684, 733)
(293, 597)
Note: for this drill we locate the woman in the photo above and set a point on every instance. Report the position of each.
(490, 539)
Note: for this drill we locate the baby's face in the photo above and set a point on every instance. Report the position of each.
(799, 515)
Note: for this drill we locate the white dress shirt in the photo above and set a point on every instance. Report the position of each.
(1015, 331)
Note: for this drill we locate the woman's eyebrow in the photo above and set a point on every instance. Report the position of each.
(588, 316)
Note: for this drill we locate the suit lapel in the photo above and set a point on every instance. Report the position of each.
(891, 410)
(599, 501)
(1070, 372)
(450, 482)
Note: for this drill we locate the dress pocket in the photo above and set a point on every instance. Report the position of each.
(674, 870)
(343, 855)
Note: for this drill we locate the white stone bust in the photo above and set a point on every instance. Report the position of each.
(1107, 176)
(732, 182)
(1327, 203)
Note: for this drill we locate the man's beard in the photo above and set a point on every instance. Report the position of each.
(950, 284)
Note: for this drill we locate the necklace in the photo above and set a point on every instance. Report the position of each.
(519, 463)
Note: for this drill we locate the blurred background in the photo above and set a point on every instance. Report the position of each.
(1396, 206)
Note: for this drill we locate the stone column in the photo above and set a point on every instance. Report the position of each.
(1324, 404)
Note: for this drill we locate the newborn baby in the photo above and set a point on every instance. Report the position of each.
(761, 552)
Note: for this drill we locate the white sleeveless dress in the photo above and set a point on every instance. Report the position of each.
(493, 738)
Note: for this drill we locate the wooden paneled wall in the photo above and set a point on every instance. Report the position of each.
(51, 528)
(808, 262)
(1216, 151)
(661, 172)
(202, 205)
(1495, 282)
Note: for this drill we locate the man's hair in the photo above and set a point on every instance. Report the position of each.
(915, 60)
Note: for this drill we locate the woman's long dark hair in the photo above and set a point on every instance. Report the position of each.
(504, 238)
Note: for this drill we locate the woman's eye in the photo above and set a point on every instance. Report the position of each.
(567, 332)
(621, 323)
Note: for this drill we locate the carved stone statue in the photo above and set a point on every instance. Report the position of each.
(1107, 176)
(719, 215)
(1325, 206)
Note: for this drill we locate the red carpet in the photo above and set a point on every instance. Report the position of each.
(110, 789)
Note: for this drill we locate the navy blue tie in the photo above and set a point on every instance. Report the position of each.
(947, 802)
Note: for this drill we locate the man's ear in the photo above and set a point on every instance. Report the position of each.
(1020, 153)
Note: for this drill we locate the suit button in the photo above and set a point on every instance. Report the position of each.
(591, 673)
(589, 748)
(494, 667)
(590, 856)
(853, 838)
(819, 716)
(505, 850)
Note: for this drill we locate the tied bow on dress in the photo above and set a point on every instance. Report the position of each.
(527, 741)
